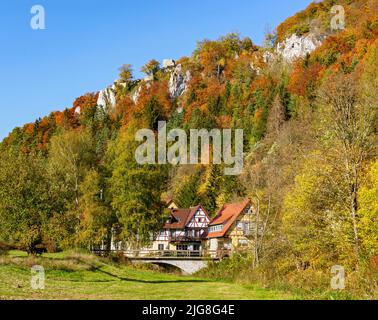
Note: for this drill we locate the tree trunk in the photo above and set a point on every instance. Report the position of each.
(256, 250)
(354, 211)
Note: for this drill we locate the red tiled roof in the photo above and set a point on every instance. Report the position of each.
(227, 216)
(182, 217)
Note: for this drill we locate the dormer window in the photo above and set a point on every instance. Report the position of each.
(248, 210)
(216, 228)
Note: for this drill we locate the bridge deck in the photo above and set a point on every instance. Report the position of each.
(174, 258)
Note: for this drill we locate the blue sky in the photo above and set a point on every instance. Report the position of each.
(85, 42)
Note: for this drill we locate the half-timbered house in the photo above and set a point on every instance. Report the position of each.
(186, 230)
(233, 227)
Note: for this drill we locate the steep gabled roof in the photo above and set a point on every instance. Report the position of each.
(181, 217)
(170, 203)
(227, 216)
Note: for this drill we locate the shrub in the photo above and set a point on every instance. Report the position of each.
(4, 248)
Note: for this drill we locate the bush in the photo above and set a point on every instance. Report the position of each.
(119, 258)
(4, 248)
(311, 283)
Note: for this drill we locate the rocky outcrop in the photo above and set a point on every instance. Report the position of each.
(268, 57)
(178, 82)
(107, 98)
(169, 63)
(135, 96)
(144, 85)
(297, 47)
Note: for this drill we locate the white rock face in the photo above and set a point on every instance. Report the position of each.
(297, 47)
(169, 63)
(255, 68)
(135, 96)
(178, 83)
(107, 98)
(268, 57)
(145, 85)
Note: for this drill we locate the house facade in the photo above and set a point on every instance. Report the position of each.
(233, 227)
(186, 230)
(191, 230)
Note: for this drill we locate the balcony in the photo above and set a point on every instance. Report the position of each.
(187, 238)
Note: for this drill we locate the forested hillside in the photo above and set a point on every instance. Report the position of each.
(310, 141)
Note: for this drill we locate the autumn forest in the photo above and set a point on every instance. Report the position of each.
(70, 179)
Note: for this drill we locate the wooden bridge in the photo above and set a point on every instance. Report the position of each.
(187, 260)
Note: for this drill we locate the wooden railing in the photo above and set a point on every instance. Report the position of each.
(186, 238)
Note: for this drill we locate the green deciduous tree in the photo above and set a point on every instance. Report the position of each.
(151, 67)
(126, 73)
(71, 155)
(368, 212)
(348, 122)
(314, 217)
(96, 218)
(26, 203)
(136, 190)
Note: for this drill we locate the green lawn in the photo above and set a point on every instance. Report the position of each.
(80, 276)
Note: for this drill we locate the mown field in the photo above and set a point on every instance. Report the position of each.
(81, 276)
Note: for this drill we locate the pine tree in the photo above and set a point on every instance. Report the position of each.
(211, 188)
(153, 113)
(188, 195)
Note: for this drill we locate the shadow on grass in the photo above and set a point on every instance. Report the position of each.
(96, 268)
(151, 281)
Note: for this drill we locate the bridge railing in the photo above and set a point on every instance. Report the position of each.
(177, 253)
(145, 253)
(167, 254)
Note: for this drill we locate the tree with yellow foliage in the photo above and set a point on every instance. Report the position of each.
(368, 212)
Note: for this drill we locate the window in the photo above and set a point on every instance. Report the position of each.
(182, 247)
(161, 247)
(248, 210)
(216, 228)
(242, 242)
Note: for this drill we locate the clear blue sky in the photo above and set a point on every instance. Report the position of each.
(85, 42)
